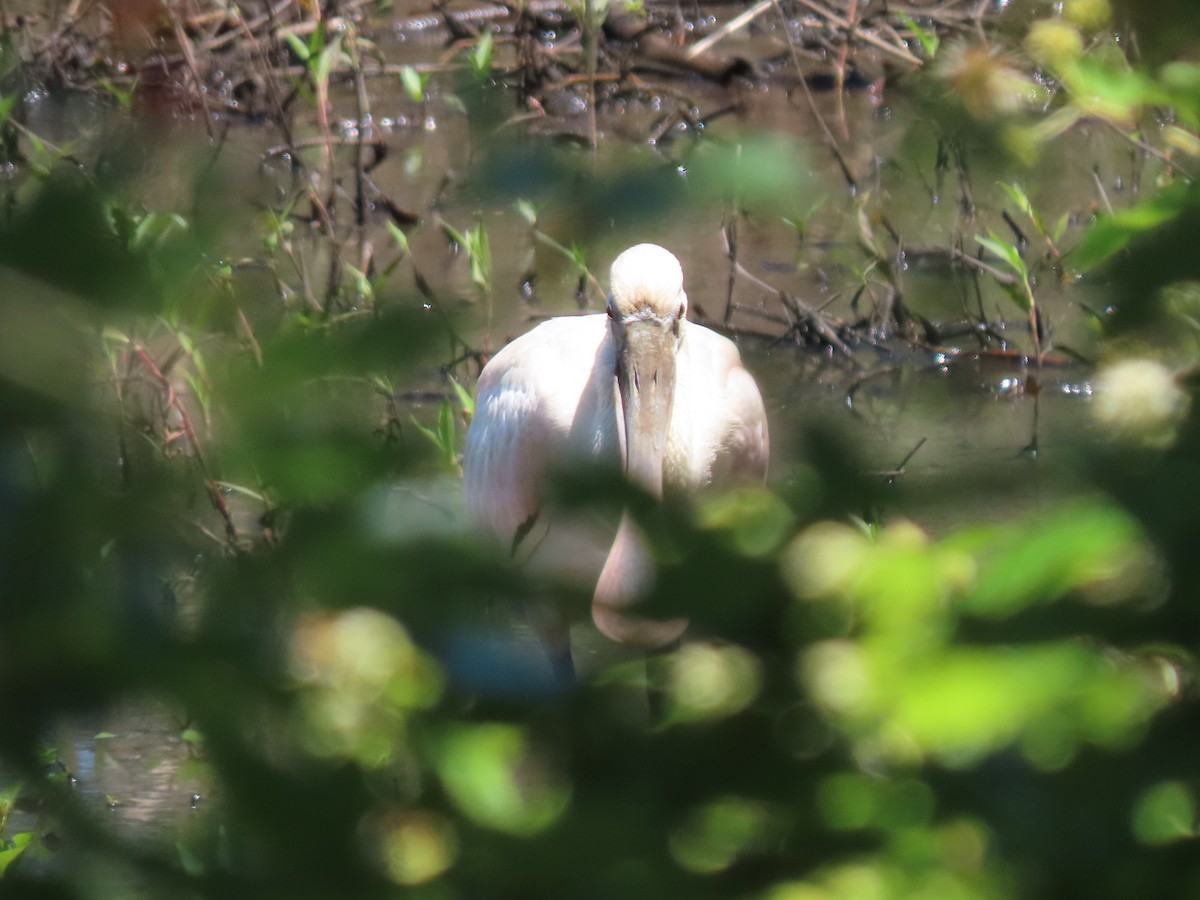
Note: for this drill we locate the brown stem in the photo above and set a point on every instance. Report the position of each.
(173, 401)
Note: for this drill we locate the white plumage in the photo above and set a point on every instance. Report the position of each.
(668, 398)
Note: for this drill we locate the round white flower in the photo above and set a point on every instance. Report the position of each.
(1140, 400)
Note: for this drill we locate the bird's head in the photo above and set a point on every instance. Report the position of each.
(646, 282)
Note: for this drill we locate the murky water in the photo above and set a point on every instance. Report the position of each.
(136, 770)
(144, 746)
(984, 448)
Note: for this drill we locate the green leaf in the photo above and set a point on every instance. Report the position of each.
(1113, 233)
(20, 843)
(1021, 201)
(298, 47)
(433, 436)
(1181, 139)
(481, 57)
(245, 492)
(1018, 196)
(446, 427)
(455, 235)
(475, 244)
(1165, 813)
(1054, 125)
(1022, 293)
(199, 391)
(8, 797)
(413, 83)
(6, 106)
(154, 227)
(929, 40)
(465, 400)
(362, 284)
(1060, 227)
(398, 235)
(579, 256)
(444, 436)
(327, 61)
(1099, 88)
(496, 777)
(1006, 251)
(1079, 549)
(189, 861)
(481, 257)
(528, 212)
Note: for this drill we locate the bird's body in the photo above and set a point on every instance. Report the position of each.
(667, 398)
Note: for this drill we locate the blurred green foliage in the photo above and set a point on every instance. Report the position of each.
(196, 515)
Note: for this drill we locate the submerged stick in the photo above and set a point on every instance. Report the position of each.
(855, 31)
(655, 48)
(590, 51)
(735, 24)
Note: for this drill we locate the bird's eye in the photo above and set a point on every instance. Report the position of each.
(609, 310)
(679, 313)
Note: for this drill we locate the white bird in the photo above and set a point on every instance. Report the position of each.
(667, 397)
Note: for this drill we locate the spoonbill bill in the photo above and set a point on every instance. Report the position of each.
(640, 384)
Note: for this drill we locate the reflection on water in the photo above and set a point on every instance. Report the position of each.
(134, 770)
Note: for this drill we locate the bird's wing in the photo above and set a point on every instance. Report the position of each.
(526, 401)
(747, 441)
(726, 419)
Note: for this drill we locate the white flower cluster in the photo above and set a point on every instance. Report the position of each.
(1140, 401)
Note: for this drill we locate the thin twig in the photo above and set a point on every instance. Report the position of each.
(957, 255)
(797, 307)
(1103, 193)
(853, 30)
(899, 470)
(736, 23)
(189, 57)
(730, 230)
(840, 70)
(830, 140)
(590, 51)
